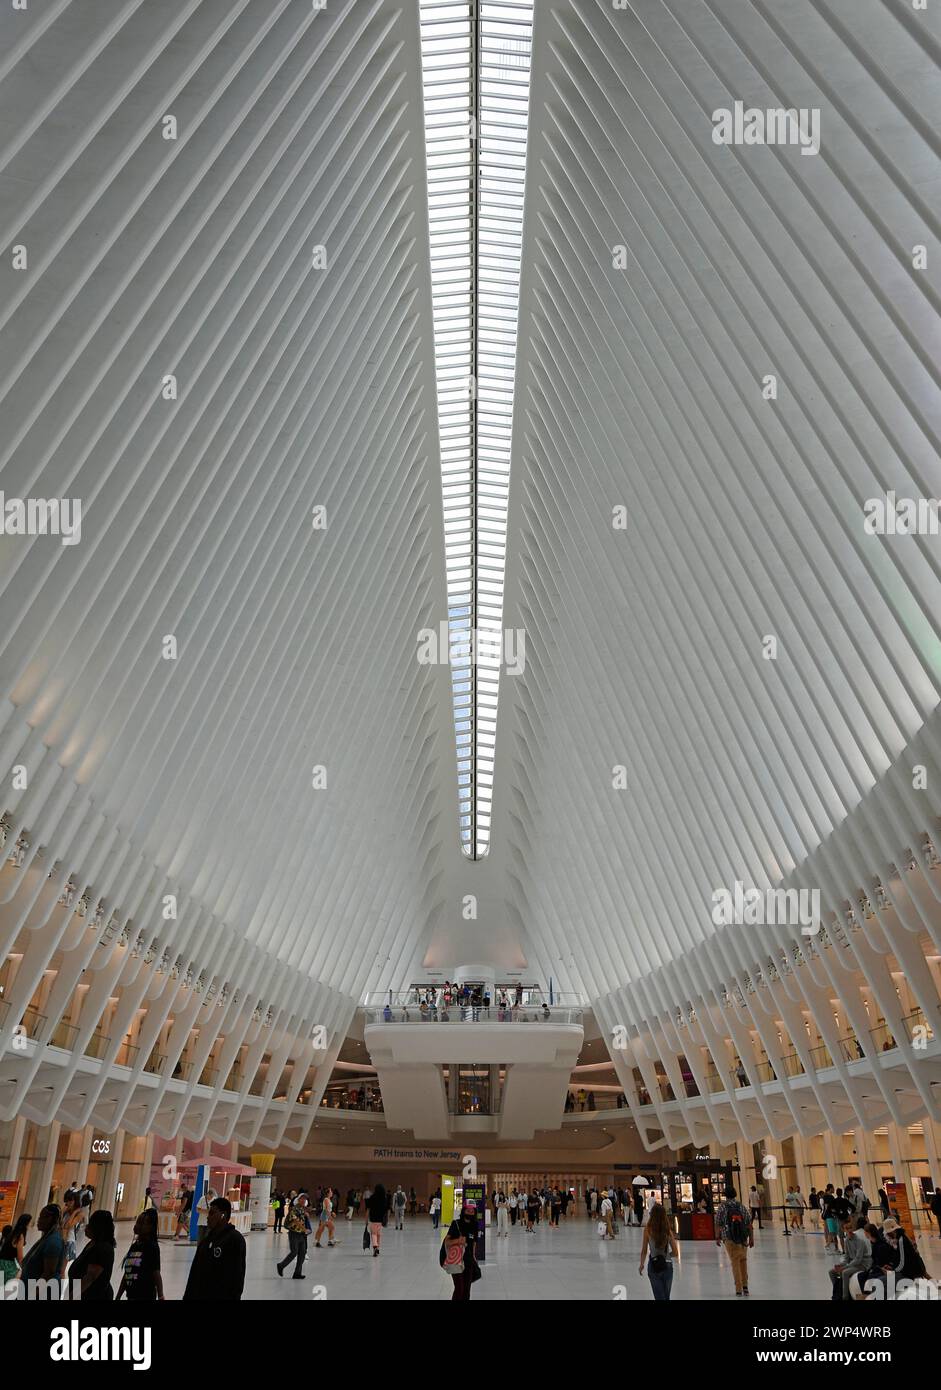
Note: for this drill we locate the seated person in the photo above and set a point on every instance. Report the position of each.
(907, 1262)
(857, 1259)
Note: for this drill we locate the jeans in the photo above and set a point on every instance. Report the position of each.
(297, 1251)
(435, 1218)
(662, 1283)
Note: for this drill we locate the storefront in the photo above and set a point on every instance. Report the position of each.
(693, 1190)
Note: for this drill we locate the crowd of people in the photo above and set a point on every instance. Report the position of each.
(868, 1242)
(466, 1003)
(48, 1254)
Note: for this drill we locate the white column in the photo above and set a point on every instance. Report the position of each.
(11, 1160)
(867, 1168)
(134, 1197)
(41, 1174)
(88, 1134)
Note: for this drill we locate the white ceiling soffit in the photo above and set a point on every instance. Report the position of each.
(764, 671)
(222, 326)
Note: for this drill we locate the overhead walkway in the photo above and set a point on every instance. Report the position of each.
(537, 1052)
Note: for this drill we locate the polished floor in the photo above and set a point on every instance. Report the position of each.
(568, 1263)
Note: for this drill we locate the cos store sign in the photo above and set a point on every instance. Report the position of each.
(101, 1146)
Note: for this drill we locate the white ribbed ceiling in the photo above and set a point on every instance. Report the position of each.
(274, 259)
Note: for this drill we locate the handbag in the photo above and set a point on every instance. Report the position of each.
(366, 1237)
(453, 1258)
(602, 1228)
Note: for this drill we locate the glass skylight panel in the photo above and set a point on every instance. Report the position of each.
(475, 65)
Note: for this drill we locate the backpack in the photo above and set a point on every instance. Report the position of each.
(735, 1224)
(295, 1221)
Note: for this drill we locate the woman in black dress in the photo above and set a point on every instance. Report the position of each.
(93, 1266)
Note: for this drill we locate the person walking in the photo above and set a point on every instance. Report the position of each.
(434, 1208)
(277, 1206)
(734, 1231)
(377, 1213)
(658, 1249)
(754, 1204)
(935, 1205)
(44, 1258)
(399, 1200)
(503, 1215)
(532, 1211)
(512, 1202)
(202, 1209)
(92, 1269)
(607, 1215)
(186, 1211)
(73, 1219)
(327, 1221)
(297, 1225)
(218, 1268)
(12, 1247)
(141, 1280)
(793, 1204)
(458, 1253)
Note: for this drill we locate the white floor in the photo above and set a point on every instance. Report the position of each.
(568, 1263)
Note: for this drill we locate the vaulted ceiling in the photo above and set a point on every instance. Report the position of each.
(218, 333)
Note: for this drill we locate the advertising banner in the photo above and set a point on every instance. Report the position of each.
(476, 1192)
(448, 1185)
(8, 1191)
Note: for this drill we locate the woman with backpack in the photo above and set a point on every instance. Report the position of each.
(658, 1249)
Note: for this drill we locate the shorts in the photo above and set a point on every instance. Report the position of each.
(832, 1225)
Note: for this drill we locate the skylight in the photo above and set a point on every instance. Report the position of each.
(475, 64)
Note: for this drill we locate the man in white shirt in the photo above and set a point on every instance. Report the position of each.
(202, 1207)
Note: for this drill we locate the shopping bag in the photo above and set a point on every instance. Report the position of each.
(365, 1237)
(602, 1228)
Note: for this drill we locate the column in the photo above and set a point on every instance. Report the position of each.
(933, 1149)
(897, 1155)
(85, 1154)
(43, 1164)
(800, 1162)
(867, 1168)
(12, 1146)
(106, 1193)
(830, 1153)
(134, 1197)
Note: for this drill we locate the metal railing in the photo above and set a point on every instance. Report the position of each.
(34, 1023)
(576, 1104)
(155, 1063)
(820, 1056)
(471, 1013)
(97, 1045)
(411, 998)
(353, 1098)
